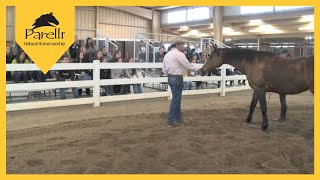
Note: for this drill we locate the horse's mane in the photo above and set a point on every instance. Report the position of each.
(248, 54)
(37, 20)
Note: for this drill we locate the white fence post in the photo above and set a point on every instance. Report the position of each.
(223, 82)
(96, 80)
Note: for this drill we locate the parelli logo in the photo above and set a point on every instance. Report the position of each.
(42, 33)
(45, 31)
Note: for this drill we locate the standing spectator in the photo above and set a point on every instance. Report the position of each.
(90, 49)
(198, 51)
(106, 74)
(142, 51)
(120, 74)
(207, 50)
(75, 48)
(161, 45)
(84, 73)
(17, 75)
(106, 54)
(137, 88)
(9, 59)
(160, 55)
(66, 75)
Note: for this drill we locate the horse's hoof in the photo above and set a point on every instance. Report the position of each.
(264, 128)
(249, 120)
(281, 119)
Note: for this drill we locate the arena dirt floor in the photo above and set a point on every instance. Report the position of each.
(132, 137)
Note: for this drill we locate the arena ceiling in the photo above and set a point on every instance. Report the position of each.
(296, 26)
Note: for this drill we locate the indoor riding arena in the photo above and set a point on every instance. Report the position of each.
(104, 122)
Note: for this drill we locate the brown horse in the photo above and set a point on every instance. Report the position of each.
(266, 72)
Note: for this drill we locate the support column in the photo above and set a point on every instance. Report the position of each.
(156, 18)
(258, 45)
(218, 22)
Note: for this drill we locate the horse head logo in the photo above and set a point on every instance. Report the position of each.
(45, 20)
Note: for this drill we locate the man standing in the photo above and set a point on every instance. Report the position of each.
(174, 65)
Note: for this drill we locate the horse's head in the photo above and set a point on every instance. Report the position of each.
(45, 20)
(51, 19)
(215, 60)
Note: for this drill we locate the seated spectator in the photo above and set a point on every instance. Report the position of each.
(192, 74)
(120, 74)
(185, 52)
(17, 75)
(203, 59)
(66, 75)
(236, 71)
(160, 55)
(117, 55)
(74, 49)
(84, 74)
(194, 59)
(190, 54)
(137, 88)
(106, 74)
(90, 49)
(229, 72)
(9, 59)
(199, 84)
(98, 56)
(106, 54)
(39, 76)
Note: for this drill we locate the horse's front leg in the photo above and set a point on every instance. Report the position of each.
(253, 104)
(284, 108)
(261, 93)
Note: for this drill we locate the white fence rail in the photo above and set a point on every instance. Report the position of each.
(96, 83)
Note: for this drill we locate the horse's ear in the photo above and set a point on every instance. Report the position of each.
(215, 47)
(51, 13)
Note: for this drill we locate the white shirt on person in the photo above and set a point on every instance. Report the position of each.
(175, 62)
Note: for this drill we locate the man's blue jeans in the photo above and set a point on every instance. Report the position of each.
(176, 84)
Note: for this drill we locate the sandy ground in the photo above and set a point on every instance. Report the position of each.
(132, 137)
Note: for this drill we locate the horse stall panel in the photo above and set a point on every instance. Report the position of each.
(129, 48)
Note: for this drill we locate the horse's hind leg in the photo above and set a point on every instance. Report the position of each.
(263, 105)
(284, 107)
(253, 104)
